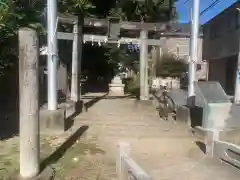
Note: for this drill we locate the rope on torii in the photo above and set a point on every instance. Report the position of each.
(97, 23)
(104, 39)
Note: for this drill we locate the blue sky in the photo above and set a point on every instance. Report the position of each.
(184, 9)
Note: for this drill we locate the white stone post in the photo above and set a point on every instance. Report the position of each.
(29, 103)
(143, 64)
(75, 66)
(237, 83)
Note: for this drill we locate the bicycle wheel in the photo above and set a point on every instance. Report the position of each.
(162, 108)
(171, 106)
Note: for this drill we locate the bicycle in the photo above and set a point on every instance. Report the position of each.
(166, 105)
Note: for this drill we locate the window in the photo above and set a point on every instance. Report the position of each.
(215, 31)
(212, 34)
(237, 19)
(231, 22)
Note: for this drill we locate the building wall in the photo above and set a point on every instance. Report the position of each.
(221, 34)
(217, 71)
(179, 46)
(221, 38)
(224, 71)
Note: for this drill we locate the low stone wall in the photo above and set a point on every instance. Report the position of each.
(126, 167)
(172, 83)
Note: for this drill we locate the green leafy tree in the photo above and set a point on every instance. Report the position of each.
(79, 7)
(30, 13)
(13, 15)
(145, 10)
(170, 66)
(142, 10)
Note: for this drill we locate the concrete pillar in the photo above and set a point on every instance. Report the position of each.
(143, 64)
(193, 53)
(52, 54)
(146, 83)
(29, 103)
(237, 84)
(80, 49)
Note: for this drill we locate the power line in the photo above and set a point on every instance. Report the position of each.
(213, 4)
(186, 2)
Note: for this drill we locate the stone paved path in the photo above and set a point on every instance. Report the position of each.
(167, 151)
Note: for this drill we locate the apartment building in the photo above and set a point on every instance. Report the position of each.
(221, 47)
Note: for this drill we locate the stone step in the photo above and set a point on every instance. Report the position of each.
(137, 134)
(125, 123)
(136, 128)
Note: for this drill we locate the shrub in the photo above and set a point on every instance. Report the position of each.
(170, 66)
(132, 86)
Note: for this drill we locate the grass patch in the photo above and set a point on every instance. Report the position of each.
(68, 162)
(72, 159)
(9, 154)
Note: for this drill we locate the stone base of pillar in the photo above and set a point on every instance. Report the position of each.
(144, 98)
(53, 120)
(146, 102)
(46, 174)
(116, 89)
(73, 108)
(62, 118)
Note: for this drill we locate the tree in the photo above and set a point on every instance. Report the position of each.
(21, 13)
(76, 7)
(170, 66)
(13, 15)
(145, 10)
(142, 10)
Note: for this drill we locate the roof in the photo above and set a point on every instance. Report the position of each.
(182, 28)
(178, 30)
(221, 13)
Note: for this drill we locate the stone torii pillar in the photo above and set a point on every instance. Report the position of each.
(144, 65)
(76, 62)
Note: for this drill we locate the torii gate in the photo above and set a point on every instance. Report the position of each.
(112, 37)
(52, 45)
(143, 42)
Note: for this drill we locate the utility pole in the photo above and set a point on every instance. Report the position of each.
(237, 81)
(193, 53)
(143, 64)
(52, 53)
(29, 103)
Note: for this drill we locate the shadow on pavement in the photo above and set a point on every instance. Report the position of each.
(69, 122)
(61, 150)
(94, 100)
(201, 146)
(9, 105)
(9, 116)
